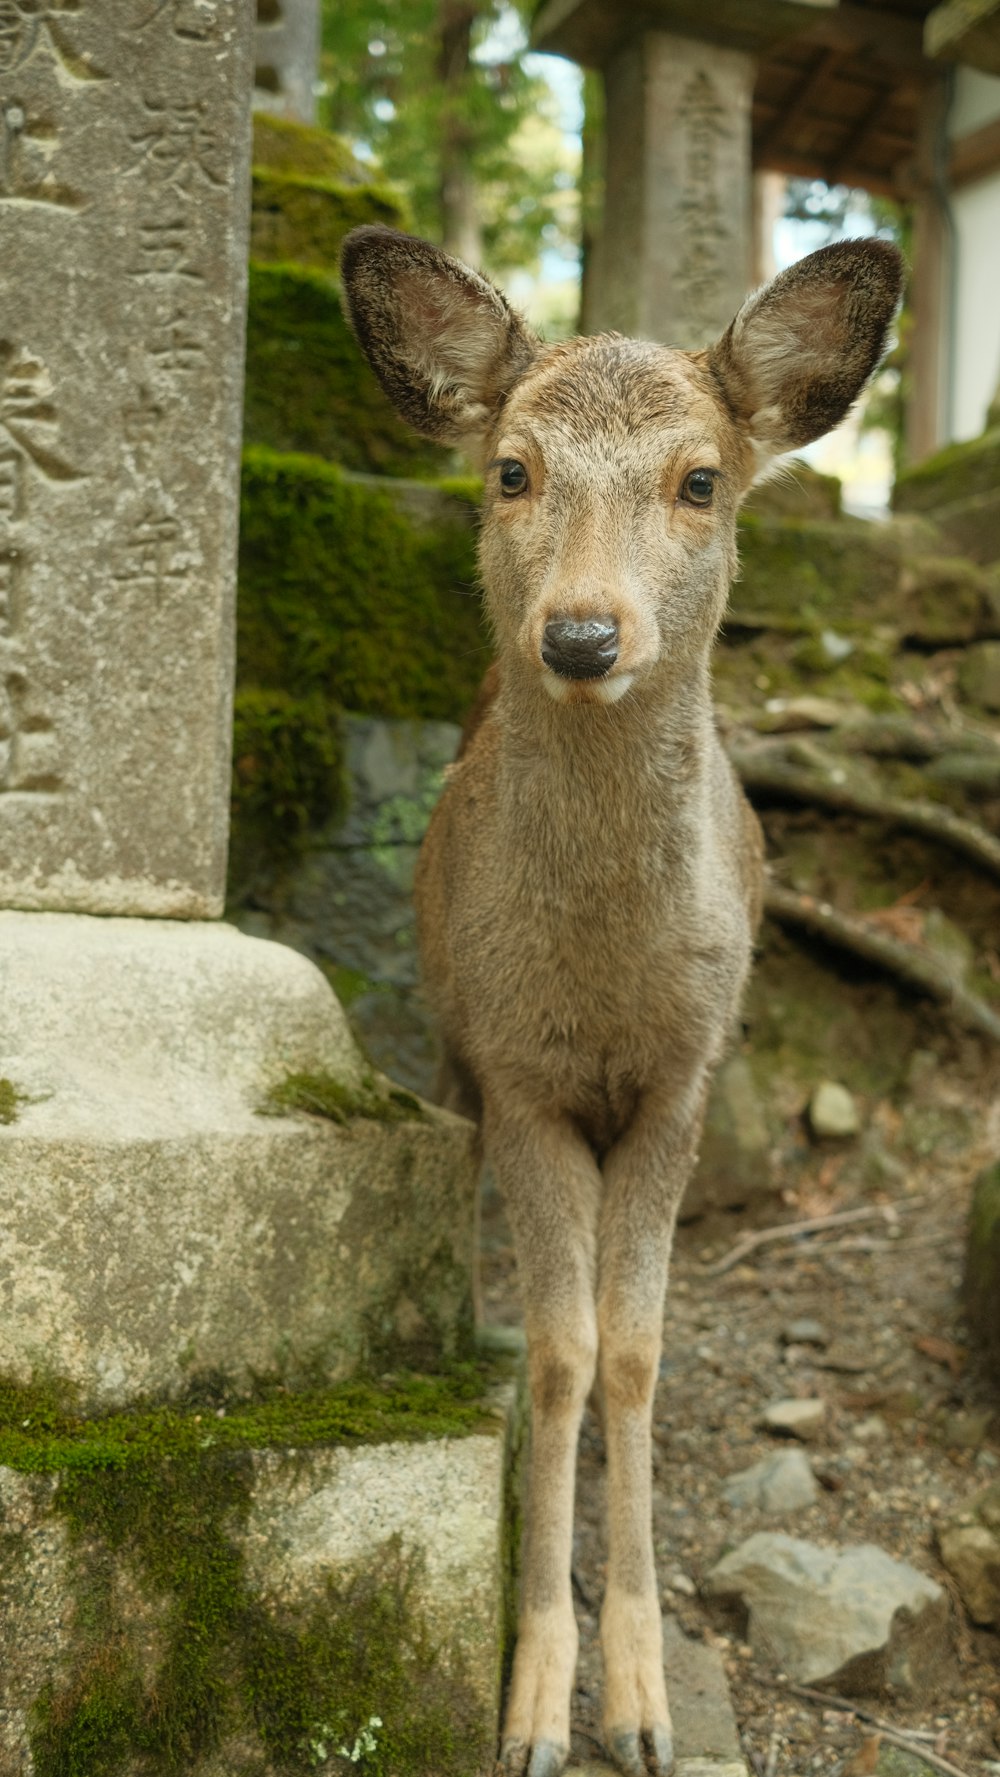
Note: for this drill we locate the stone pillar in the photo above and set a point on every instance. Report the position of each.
(674, 255)
(287, 58)
(124, 162)
(153, 1224)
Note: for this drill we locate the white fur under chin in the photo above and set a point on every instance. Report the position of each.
(599, 690)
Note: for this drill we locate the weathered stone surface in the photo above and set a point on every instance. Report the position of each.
(673, 260)
(958, 472)
(123, 237)
(833, 1113)
(851, 1618)
(287, 58)
(982, 1260)
(154, 1225)
(970, 1549)
(734, 1158)
(783, 1482)
(418, 1529)
(706, 1738)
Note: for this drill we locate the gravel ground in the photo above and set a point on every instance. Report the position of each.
(912, 1425)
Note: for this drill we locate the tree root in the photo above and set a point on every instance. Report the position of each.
(916, 967)
(762, 774)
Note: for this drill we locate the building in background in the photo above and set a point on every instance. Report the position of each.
(702, 97)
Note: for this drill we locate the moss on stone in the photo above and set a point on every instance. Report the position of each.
(323, 1095)
(955, 473)
(298, 218)
(10, 1098)
(286, 147)
(805, 570)
(308, 388)
(342, 597)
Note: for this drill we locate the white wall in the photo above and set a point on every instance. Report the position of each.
(975, 358)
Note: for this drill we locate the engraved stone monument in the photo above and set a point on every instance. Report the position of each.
(287, 58)
(153, 1224)
(673, 262)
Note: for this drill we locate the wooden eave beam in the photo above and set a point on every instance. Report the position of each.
(590, 31)
(800, 101)
(976, 155)
(805, 166)
(966, 31)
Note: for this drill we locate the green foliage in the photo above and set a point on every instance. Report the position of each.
(303, 219)
(425, 107)
(325, 1096)
(308, 388)
(342, 596)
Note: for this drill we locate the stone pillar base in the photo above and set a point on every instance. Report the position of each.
(155, 1226)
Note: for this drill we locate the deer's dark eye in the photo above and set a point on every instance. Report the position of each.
(698, 487)
(513, 478)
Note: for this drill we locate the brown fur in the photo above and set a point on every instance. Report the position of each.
(590, 883)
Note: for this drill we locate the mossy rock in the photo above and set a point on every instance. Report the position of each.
(287, 147)
(954, 474)
(297, 217)
(972, 526)
(982, 1261)
(798, 491)
(800, 570)
(945, 601)
(308, 388)
(342, 597)
(288, 774)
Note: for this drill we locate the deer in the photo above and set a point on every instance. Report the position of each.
(590, 884)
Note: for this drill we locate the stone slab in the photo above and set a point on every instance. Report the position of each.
(311, 1521)
(706, 1737)
(124, 176)
(153, 1224)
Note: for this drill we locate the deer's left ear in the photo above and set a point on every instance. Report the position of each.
(801, 349)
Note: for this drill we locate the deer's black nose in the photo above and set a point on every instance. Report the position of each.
(580, 650)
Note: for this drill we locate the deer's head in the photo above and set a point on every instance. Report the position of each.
(613, 468)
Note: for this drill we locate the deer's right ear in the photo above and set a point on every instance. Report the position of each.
(444, 343)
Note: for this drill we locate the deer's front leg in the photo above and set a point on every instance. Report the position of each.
(551, 1185)
(644, 1176)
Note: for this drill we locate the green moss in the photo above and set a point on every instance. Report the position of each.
(10, 1098)
(160, 1500)
(301, 219)
(286, 147)
(955, 473)
(341, 596)
(323, 1095)
(288, 773)
(308, 387)
(809, 570)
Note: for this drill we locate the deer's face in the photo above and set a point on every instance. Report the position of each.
(608, 538)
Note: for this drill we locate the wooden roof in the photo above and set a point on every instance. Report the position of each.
(839, 86)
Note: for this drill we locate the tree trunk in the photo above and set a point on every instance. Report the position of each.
(461, 231)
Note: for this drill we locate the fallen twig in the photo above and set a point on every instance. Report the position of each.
(899, 1736)
(916, 967)
(791, 1231)
(760, 771)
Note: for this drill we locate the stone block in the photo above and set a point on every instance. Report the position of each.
(309, 389)
(804, 570)
(123, 236)
(734, 1158)
(979, 676)
(958, 472)
(155, 1226)
(245, 1593)
(972, 527)
(286, 55)
(982, 1261)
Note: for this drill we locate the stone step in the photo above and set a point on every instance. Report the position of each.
(228, 1592)
(706, 1737)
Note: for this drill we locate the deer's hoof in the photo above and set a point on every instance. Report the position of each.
(544, 1758)
(646, 1754)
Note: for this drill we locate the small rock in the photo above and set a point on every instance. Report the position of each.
(805, 1332)
(871, 1430)
(851, 1618)
(682, 1583)
(979, 676)
(783, 1482)
(833, 1112)
(794, 1418)
(970, 1549)
(982, 1261)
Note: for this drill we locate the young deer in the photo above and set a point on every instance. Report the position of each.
(590, 884)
